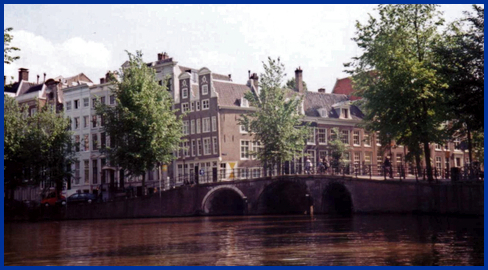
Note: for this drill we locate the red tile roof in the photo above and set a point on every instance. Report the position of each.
(344, 87)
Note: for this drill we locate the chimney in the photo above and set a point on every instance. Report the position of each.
(298, 80)
(160, 56)
(4, 80)
(322, 90)
(38, 78)
(23, 74)
(107, 76)
(230, 77)
(44, 77)
(249, 74)
(255, 79)
(102, 80)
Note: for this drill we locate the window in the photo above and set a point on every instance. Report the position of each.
(193, 148)
(76, 103)
(458, 162)
(70, 123)
(322, 154)
(95, 171)
(32, 111)
(86, 121)
(103, 140)
(399, 159)
(244, 103)
(311, 156)
(244, 149)
(192, 106)
(103, 162)
(94, 121)
(192, 126)
(112, 99)
(198, 126)
(457, 144)
(206, 125)
(184, 107)
(205, 90)
(206, 146)
(86, 142)
(378, 141)
(214, 123)
(77, 143)
(185, 127)
(102, 121)
(94, 102)
(345, 113)
(199, 147)
(87, 171)
(197, 105)
(367, 157)
(68, 105)
(243, 129)
(345, 137)
(86, 102)
(438, 164)
(77, 173)
(179, 179)
(215, 145)
(355, 138)
(102, 100)
(438, 147)
(322, 135)
(256, 148)
(347, 158)
(367, 139)
(446, 146)
(333, 134)
(357, 158)
(77, 122)
(205, 104)
(95, 141)
(184, 93)
(311, 136)
(186, 149)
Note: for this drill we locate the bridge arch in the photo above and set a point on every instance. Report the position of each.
(336, 199)
(284, 197)
(224, 200)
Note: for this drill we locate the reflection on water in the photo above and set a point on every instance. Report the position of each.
(252, 240)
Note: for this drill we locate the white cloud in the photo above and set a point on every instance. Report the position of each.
(67, 58)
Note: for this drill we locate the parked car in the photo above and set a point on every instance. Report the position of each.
(82, 198)
(53, 199)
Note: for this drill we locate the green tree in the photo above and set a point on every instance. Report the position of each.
(461, 65)
(7, 49)
(291, 84)
(38, 148)
(276, 122)
(396, 75)
(143, 127)
(338, 148)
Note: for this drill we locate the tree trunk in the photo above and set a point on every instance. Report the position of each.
(470, 148)
(428, 165)
(418, 161)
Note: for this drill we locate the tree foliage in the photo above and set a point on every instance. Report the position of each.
(337, 150)
(7, 49)
(143, 127)
(276, 122)
(38, 147)
(291, 84)
(397, 76)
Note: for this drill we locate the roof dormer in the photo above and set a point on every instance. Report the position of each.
(343, 109)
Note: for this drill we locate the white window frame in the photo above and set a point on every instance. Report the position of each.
(193, 148)
(205, 101)
(205, 89)
(185, 107)
(377, 139)
(437, 147)
(313, 134)
(313, 159)
(77, 123)
(199, 147)
(214, 123)
(367, 135)
(348, 136)
(186, 149)
(86, 121)
(197, 106)
(68, 105)
(206, 146)
(76, 104)
(184, 92)
(192, 126)
(242, 129)
(206, 125)
(215, 145)
(198, 126)
(244, 102)
(111, 99)
(185, 127)
(86, 102)
(325, 136)
(321, 153)
(241, 146)
(192, 106)
(370, 155)
(354, 133)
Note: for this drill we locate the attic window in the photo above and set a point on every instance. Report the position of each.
(244, 102)
(345, 113)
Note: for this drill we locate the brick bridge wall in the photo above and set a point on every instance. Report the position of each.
(367, 196)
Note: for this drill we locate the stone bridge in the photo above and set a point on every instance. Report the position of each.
(293, 195)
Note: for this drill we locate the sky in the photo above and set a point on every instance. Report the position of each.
(228, 39)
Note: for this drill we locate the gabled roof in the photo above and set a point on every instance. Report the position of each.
(344, 86)
(230, 94)
(221, 77)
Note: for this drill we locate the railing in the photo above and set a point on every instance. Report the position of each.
(365, 171)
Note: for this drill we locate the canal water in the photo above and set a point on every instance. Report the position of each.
(249, 240)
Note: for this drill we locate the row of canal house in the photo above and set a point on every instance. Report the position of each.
(213, 137)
